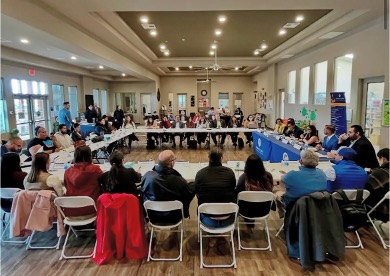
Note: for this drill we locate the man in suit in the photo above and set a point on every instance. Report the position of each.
(177, 124)
(330, 140)
(218, 123)
(292, 130)
(356, 140)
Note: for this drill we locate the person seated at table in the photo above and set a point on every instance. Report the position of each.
(279, 126)
(345, 174)
(100, 127)
(249, 123)
(189, 135)
(63, 137)
(120, 179)
(81, 179)
(12, 175)
(90, 114)
(164, 183)
(239, 115)
(308, 179)
(115, 126)
(201, 136)
(233, 123)
(378, 185)
(39, 179)
(218, 123)
(215, 183)
(177, 124)
(129, 124)
(165, 123)
(76, 134)
(310, 138)
(196, 118)
(330, 139)
(14, 144)
(210, 113)
(41, 142)
(155, 116)
(150, 123)
(292, 130)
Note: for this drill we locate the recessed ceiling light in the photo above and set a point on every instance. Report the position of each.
(222, 18)
(144, 19)
(256, 52)
(163, 47)
(73, 57)
(166, 53)
(123, 75)
(24, 41)
(211, 53)
(190, 66)
(177, 68)
(213, 46)
(101, 66)
(153, 32)
(218, 32)
(349, 56)
(263, 45)
(282, 32)
(236, 68)
(183, 39)
(299, 18)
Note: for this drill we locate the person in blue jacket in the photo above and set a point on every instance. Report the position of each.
(330, 140)
(64, 116)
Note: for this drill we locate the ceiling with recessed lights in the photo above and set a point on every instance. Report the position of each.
(175, 34)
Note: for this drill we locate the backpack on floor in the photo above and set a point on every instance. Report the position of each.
(353, 211)
(150, 144)
(240, 142)
(192, 144)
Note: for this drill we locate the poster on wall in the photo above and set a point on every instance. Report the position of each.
(386, 109)
(338, 112)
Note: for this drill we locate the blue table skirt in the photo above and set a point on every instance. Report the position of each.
(86, 129)
(270, 149)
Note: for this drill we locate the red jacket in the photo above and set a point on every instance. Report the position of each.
(82, 180)
(119, 228)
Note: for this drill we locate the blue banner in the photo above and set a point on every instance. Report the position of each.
(262, 145)
(281, 151)
(338, 112)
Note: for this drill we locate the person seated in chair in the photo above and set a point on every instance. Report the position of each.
(279, 126)
(100, 127)
(250, 122)
(177, 124)
(310, 138)
(292, 130)
(233, 123)
(330, 139)
(218, 123)
(345, 174)
(63, 137)
(76, 134)
(165, 123)
(14, 144)
(42, 142)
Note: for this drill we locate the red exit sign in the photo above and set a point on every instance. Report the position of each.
(31, 72)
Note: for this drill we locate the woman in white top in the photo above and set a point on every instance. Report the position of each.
(201, 137)
(250, 123)
(129, 124)
(39, 179)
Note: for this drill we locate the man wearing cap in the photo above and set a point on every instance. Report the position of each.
(330, 140)
(345, 174)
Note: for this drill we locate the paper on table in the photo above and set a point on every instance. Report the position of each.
(23, 158)
(321, 155)
(40, 149)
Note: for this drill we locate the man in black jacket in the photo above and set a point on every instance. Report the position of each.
(356, 140)
(164, 183)
(292, 130)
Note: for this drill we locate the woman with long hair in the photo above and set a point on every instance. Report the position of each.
(129, 124)
(150, 123)
(12, 175)
(249, 123)
(39, 178)
(233, 123)
(119, 179)
(280, 127)
(201, 136)
(310, 138)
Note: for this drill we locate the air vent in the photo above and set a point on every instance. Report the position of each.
(330, 35)
(291, 25)
(147, 26)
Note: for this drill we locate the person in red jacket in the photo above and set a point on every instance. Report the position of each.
(82, 180)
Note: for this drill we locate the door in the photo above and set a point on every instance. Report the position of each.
(30, 112)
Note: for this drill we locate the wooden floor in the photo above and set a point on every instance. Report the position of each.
(372, 260)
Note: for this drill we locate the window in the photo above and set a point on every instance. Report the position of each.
(28, 87)
(104, 105)
(58, 97)
(3, 110)
(320, 83)
(96, 97)
(304, 87)
(343, 76)
(73, 101)
(182, 99)
(223, 100)
(291, 86)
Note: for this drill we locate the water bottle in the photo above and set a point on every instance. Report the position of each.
(305, 146)
(67, 165)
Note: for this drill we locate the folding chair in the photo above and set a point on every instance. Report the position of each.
(351, 194)
(7, 195)
(216, 209)
(386, 197)
(165, 206)
(75, 202)
(256, 206)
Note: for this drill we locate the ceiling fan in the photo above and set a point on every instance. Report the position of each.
(216, 66)
(207, 80)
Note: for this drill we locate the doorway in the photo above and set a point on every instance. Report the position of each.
(30, 112)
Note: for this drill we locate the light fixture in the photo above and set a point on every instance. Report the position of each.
(256, 52)
(218, 32)
(183, 39)
(144, 19)
(222, 18)
(123, 75)
(24, 41)
(153, 32)
(163, 47)
(101, 67)
(263, 45)
(299, 18)
(73, 57)
(211, 53)
(177, 68)
(349, 56)
(190, 66)
(282, 32)
(236, 68)
(213, 46)
(166, 53)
